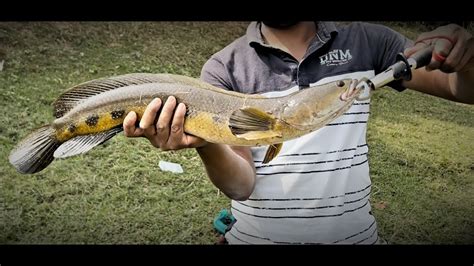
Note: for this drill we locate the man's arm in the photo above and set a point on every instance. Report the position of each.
(450, 74)
(230, 168)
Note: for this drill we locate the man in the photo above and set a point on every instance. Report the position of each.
(317, 189)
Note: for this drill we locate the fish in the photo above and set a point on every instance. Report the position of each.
(92, 112)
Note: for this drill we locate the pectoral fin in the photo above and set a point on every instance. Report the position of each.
(272, 152)
(250, 119)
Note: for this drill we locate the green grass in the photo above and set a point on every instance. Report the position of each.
(421, 155)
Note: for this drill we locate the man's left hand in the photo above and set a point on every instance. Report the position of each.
(453, 48)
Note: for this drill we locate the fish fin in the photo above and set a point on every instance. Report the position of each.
(35, 151)
(272, 152)
(73, 96)
(254, 135)
(83, 144)
(250, 119)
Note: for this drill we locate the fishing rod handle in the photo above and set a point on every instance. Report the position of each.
(404, 66)
(422, 57)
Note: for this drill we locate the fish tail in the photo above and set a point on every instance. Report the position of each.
(35, 151)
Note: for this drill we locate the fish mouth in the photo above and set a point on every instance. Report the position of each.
(352, 91)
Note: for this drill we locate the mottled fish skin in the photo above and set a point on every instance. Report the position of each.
(208, 110)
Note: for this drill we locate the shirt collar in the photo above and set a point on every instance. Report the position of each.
(325, 31)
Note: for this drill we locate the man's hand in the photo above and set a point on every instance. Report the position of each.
(453, 48)
(168, 131)
(453, 55)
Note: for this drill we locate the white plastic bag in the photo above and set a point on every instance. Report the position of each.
(171, 167)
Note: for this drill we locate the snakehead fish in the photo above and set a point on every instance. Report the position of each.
(91, 113)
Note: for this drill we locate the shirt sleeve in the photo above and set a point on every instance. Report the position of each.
(214, 72)
(387, 44)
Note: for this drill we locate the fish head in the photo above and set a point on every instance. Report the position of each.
(313, 107)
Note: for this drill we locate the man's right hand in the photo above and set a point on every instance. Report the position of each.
(231, 169)
(167, 133)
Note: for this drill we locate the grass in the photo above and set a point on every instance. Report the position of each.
(421, 155)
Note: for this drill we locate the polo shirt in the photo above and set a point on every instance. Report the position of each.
(317, 190)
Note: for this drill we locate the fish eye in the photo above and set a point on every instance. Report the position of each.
(340, 83)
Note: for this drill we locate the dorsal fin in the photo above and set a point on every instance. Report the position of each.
(78, 93)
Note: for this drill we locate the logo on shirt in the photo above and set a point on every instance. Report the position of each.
(336, 57)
